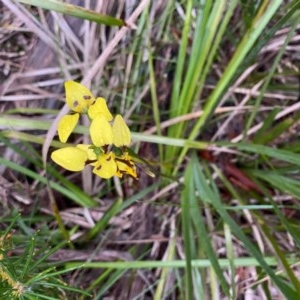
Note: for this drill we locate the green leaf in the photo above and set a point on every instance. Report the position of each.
(76, 11)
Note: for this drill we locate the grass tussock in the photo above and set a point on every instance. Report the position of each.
(210, 92)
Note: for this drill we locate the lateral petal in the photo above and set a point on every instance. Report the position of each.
(70, 158)
(66, 125)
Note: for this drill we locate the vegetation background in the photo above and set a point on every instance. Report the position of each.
(210, 90)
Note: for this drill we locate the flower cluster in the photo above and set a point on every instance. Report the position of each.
(108, 153)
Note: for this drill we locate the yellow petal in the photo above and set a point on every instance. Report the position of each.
(89, 150)
(78, 97)
(121, 132)
(99, 106)
(70, 158)
(101, 131)
(66, 125)
(106, 166)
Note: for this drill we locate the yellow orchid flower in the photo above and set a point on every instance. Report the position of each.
(108, 153)
(106, 166)
(70, 158)
(121, 132)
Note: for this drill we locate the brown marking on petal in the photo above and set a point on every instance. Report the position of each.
(105, 148)
(87, 97)
(109, 158)
(75, 103)
(87, 162)
(99, 168)
(128, 163)
(131, 163)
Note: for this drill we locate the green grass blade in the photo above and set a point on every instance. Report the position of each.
(75, 11)
(181, 58)
(28, 255)
(104, 287)
(196, 263)
(155, 106)
(230, 254)
(283, 155)
(187, 232)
